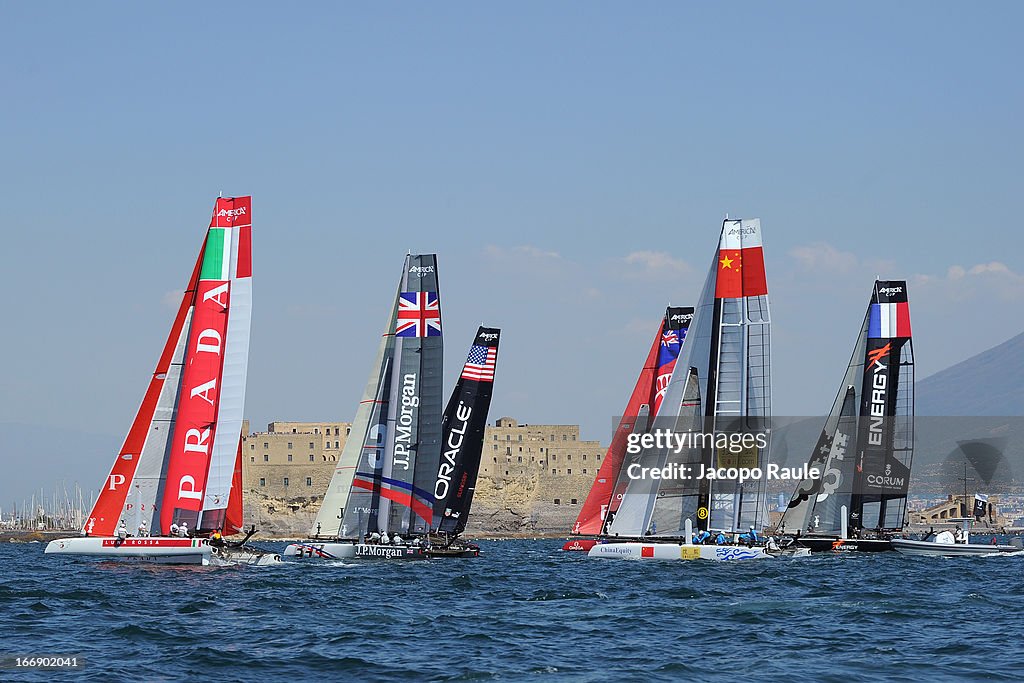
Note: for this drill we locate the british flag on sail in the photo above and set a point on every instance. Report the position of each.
(419, 315)
(480, 363)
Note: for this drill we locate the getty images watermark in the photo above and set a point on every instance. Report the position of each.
(737, 457)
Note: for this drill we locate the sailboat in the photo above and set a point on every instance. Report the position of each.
(863, 456)
(181, 462)
(462, 442)
(605, 494)
(386, 480)
(720, 389)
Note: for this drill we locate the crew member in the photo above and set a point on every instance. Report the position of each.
(396, 540)
(122, 531)
(183, 530)
(385, 539)
(143, 531)
(217, 539)
(174, 529)
(721, 539)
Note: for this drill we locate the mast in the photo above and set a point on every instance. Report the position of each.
(462, 429)
(885, 439)
(142, 461)
(596, 509)
(401, 432)
(727, 356)
(197, 458)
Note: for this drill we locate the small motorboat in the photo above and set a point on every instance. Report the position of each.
(951, 543)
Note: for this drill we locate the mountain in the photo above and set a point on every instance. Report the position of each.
(990, 383)
(973, 412)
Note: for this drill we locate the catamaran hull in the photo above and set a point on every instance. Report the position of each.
(321, 551)
(371, 551)
(579, 545)
(151, 549)
(824, 544)
(674, 551)
(244, 555)
(908, 547)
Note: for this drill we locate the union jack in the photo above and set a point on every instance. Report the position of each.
(419, 315)
(669, 338)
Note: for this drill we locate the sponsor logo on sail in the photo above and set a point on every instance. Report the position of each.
(889, 291)
(879, 388)
(742, 231)
(681, 317)
(231, 213)
(452, 446)
(420, 271)
(488, 336)
(886, 480)
(406, 417)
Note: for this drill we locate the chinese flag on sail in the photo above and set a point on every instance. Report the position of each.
(740, 273)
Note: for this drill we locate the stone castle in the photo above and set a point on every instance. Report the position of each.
(533, 478)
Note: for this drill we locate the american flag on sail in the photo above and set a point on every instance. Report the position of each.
(419, 315)
(480, 363)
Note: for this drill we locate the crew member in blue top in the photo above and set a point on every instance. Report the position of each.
(751, 537)
(700, 537)
(721, 539)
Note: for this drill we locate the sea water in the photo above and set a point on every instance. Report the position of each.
(523, 610)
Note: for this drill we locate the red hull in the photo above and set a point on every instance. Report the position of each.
(580, 544)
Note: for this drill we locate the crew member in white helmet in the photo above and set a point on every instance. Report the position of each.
(385, 539)
(396, 540)
(122, 531)
(183, 530)
(143, 531)
(174, 529)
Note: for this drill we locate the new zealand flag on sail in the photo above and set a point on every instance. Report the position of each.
(419, 315)
(671, 341)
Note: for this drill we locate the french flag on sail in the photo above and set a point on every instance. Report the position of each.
(888, 321)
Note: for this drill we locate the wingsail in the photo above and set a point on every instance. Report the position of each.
(865, 451)
(462, 429)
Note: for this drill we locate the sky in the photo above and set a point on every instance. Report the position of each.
(570, 163)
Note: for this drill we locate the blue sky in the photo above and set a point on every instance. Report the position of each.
(569, 162)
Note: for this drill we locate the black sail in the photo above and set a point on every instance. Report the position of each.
(865, 449)
(462, 434)
(886, 434)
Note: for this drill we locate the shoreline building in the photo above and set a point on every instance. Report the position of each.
(292, 460)
(295, 460)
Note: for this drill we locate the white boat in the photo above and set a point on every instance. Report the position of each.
(720, 389)
(322, 551)
(854, 496)
(949, 544)
(181, 462)
(152, 548)
(676, 551)
(409, 469)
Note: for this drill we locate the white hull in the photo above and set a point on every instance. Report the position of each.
(154, 549)
(323, 551)
(674, 551)
(229, 555)
(908, 547)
